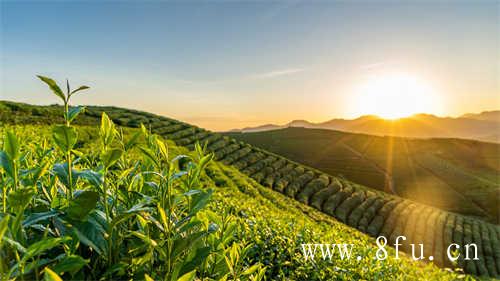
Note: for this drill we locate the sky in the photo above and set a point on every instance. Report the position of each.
(223, 65)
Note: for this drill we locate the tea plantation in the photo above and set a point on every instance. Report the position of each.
(249, 181)
(456, 175)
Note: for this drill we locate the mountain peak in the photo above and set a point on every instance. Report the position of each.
(492, 115)
(481, 126)
(299, 123)
(368, 117)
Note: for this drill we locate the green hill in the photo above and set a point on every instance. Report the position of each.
(455, 175)
(368, 210)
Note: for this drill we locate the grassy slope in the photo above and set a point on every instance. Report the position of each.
(451, 174)
(367, 210)
(277, 225)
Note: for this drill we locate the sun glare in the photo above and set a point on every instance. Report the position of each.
(394, 96)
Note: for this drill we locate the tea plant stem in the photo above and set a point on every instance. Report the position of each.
(14, 171)
(105, 191)
(68, 153)
(108, 217)
(4, 198)
(70, 176)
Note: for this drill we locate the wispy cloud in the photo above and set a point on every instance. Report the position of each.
(379, 65)
(277, 73)
(373, 65)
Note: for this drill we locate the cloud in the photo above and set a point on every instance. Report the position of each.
(379, 65)
(277, 73)
(373, 65)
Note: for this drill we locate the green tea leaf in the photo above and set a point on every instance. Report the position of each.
(11, 145)
(67, 87)
(200, 200)
(91, 233)
(199, 257)
(6, 163)
(40, 171)
(162, 148)
(107, 130)
(37, 217)
(251, 269)
(205, 160)
(39, 247)
(84, 201)
(163, 215)
(50, 275)
(53, 86)
(110, 157)
(61, 171)
(144, 238)
(65, 137)
(14, 244)
(81, 88)
(188, 276)
(92, 177)
(140, 207)
(149, 155)
(185, 243)
(133, 141)
(74, 112)
(71, 264)
(20, 197)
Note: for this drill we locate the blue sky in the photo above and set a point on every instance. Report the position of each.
(226, 64)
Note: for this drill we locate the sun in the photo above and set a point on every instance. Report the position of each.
(393, 96)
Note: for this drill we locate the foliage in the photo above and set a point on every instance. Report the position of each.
(458, 174)
(269, 226)
(120, 208)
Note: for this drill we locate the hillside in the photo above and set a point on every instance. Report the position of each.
(482, 126)
(370, 211)
(452, 174)
(493, 116)
(274, 224)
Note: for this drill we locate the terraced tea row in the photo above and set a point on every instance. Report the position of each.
(455, 175)
(373, 212)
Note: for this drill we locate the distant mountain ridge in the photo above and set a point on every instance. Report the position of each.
(484, 126)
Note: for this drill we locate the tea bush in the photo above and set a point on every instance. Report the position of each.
(120, 206)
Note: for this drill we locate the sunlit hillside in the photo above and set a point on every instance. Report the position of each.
(452, 174)
(367, 210)
(483, 126)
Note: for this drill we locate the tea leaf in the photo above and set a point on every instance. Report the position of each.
(65, 137)
(53, 86)
(91, 234)
(50, 275)
(251, 269)
(74, 112)
(84, 201)
(107, 130)
(39, 247)
(6, 163)
(81, 88)
(133, 141)
(20, 197)
(37, 217)
(110, 157)
(188, 276)
(11, 145)
(91, 176)
(71, 264)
